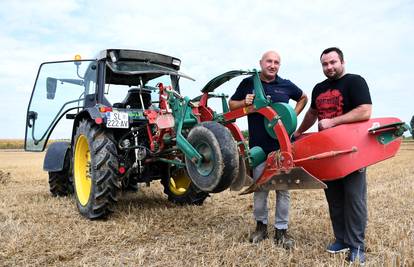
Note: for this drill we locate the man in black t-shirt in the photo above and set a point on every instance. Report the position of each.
(342, 98)
(279, 90)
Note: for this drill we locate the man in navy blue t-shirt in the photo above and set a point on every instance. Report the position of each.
(279, 90)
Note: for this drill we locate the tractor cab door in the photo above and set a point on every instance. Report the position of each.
(60, 87)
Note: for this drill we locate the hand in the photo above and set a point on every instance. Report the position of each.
(296, 134)
(249, 99)
(325, 124)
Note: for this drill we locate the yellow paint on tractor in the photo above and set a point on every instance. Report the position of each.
(179, 183)
(82, 162)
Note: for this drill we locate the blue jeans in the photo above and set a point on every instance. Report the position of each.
(260, 210)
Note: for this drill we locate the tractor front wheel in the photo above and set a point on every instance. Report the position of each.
(95, 173)
(180, 190)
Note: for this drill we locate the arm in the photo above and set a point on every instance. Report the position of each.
(301, 103)
(310, 118)
(360, 113)
(235, 104)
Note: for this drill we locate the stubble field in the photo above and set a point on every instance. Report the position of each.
(146, 230)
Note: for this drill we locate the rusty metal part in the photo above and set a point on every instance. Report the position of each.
(297, 178)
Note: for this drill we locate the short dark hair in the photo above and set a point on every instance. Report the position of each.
(333, 49)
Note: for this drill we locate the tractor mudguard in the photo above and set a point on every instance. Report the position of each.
(93, 112)
(55, 156)
(87, 113)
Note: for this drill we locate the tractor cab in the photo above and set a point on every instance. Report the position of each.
(115, 87)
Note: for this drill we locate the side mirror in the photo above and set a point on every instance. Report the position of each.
(51, 87)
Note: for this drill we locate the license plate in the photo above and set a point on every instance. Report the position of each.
(116, 119)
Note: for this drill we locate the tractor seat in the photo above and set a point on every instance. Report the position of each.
(132, 99)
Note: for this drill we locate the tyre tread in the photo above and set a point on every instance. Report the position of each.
(105, 178)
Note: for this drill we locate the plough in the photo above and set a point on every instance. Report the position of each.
(315, 157)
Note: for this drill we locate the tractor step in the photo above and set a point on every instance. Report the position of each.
(297, 178)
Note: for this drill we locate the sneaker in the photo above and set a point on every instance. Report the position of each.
(356, 255)
(259, 234)
(337, 247)
(283, 238)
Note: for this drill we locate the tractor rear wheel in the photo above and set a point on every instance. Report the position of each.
(59, 183)
(180, 190)
(95, 173)
(220, 163)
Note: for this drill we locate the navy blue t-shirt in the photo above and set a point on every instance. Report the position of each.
(280, 90)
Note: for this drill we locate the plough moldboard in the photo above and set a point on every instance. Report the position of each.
(331, 154)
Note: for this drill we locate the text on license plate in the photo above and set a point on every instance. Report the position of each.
(117, 119)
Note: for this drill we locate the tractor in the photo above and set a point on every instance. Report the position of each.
(132, 125)
(123, 130)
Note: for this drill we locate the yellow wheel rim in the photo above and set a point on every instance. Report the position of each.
(179, 182)
(82, 172)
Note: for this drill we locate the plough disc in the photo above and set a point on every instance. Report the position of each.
(240, 180)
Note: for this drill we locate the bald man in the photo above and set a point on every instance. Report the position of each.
(279, 90)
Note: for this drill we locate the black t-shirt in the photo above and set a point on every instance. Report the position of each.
(332, 98)
(280, 90)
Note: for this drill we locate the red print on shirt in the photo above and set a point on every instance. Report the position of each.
(330, 104)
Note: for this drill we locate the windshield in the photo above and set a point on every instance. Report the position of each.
(134, 84)
(117, 94)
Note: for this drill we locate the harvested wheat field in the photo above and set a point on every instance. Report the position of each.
(146, 230)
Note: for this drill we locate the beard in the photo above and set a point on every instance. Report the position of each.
(335, 75)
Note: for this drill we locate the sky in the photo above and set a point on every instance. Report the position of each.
(212, 37)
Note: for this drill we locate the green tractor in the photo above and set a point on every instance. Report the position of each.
(130, 125)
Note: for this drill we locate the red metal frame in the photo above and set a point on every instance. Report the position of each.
(238, 136)
(269, 113)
